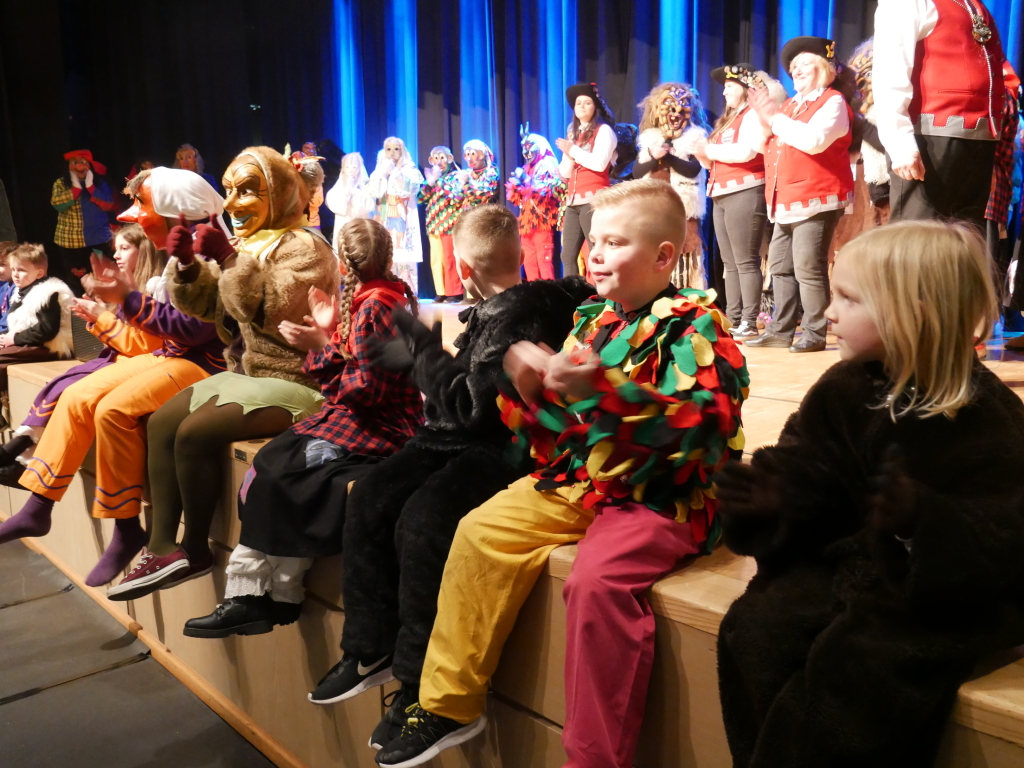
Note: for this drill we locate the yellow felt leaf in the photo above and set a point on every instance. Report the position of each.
(578, 491)
(638, 492)
(648, 412)
(615, 376)
(684, 383)
(619, 469)
(662, 308)
(643, 330)
(738, 441)
(682, 512)
(599, 454)
(712, 492)
(702, 350)
(697, 499)
(696, 454)
(675, 455)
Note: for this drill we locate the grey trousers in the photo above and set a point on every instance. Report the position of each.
(575, 231)
(740, 219)
(798, 263)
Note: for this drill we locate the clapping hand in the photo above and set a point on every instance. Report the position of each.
(323, 309)
(110, 284)
(892, 504)
(763, 104)
(572, 374)
(563, 144)
(87, 309)
(526, 364)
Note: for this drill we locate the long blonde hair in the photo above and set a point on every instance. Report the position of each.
(150, 263)
(365, 249)
(929, 288)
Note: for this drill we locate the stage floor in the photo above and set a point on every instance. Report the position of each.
(778, 378)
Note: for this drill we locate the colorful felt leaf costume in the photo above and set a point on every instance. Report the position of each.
(665, 417)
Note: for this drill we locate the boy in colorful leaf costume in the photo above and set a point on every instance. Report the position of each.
(627, 425)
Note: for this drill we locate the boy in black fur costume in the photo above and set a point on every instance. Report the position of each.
(887, 522)
(402, 515)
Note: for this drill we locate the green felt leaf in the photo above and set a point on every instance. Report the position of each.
(645, 431)
(682, 351)
(615, 351)
(705, 326)
(642, 474)
(702, 397)
(585, 405)
(549, 420)
(668, 384)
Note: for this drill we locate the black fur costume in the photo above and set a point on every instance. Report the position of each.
(403, 513)
(846, 650)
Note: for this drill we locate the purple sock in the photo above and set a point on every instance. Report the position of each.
(127, 542)
(33, 520)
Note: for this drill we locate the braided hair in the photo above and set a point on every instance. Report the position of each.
(365, 250)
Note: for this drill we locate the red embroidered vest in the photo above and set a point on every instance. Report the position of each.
(724, 178)
(797, 181)
(585, 182)
(958, 82)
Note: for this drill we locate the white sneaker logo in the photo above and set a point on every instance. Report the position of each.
(367, 670)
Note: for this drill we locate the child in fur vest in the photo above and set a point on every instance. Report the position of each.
(39, 315)
(887, 523)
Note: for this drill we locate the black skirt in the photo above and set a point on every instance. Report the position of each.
(294, 507)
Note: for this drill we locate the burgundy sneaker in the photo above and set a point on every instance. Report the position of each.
(150, 574)
(195, 570)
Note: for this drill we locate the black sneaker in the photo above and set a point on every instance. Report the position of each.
(390, 726)
(349, 678)
(424, 737)
(243, 615)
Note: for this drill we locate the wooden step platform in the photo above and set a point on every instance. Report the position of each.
(259, 683)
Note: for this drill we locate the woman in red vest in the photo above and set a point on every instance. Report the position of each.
(808, 183)
(734, 153)
(587, 156)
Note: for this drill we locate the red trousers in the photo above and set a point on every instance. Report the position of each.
(442, 266)
(609, 644)
(538, 250)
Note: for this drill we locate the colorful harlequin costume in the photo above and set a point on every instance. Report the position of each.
(537, 188)
(442, 197)
(627, 474)
(82, 205)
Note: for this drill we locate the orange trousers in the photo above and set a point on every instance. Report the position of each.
(107, 406)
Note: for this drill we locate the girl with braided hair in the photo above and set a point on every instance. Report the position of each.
(292, 501)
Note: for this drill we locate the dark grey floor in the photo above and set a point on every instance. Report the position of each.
(77, 689)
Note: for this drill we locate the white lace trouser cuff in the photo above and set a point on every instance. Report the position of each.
(251, 572)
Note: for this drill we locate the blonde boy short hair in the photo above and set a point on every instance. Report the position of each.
(824, 73)
(33, 253)
(487, 240)
(928, 286)
(663, 212)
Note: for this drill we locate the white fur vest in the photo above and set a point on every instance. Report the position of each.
(690, 190)
(24, 317)
(875, 169)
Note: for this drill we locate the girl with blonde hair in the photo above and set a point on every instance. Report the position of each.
(887, 523)
(292, 501)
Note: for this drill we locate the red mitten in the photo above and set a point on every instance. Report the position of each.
(179, 243)
(212, 243)
(76, 192)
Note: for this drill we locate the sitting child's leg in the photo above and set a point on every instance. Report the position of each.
(499, 551)
(128, 540)
(609, 644)
(262, 591)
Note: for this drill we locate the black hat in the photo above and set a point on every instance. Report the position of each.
(742, 73)
(821, 46)
(589, 89)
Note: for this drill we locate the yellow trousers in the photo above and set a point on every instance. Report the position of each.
(499, 550)
(107, 405)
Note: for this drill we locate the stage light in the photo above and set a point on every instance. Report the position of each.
(402, 68)
(349, 70)
(478, 99)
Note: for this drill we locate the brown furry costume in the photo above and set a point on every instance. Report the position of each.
(259, 295)
(847, 649)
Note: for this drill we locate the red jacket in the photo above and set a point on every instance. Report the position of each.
(724, 178)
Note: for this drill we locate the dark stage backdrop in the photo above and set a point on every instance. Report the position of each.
(135, 78)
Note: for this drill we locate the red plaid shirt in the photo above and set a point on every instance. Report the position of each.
(1001, 193)
(368, 410)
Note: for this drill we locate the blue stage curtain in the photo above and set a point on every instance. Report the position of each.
(402, 67)
(803, 17)
(349, 77)
(478, 97)
(1010, 20)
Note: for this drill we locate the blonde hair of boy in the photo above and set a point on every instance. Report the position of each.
(928, 286)
(663, 212)
(824, 73)
(487, 240)
(33, 253)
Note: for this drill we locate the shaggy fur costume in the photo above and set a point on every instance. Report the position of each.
(258, 294)
(846, 649)
(403, 513)
(26, 314)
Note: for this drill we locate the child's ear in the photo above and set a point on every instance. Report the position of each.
(464, 271)
(666, 256)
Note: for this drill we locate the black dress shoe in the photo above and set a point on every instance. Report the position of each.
(440, 299)
(767, 340)
(244, 615)
(808, 345)
(10, 474)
